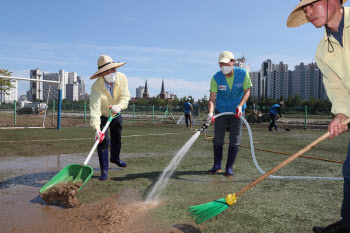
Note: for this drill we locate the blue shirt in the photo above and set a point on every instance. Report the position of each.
(187, 107)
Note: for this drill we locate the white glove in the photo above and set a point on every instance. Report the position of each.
(210, 118)
(99, 135)
(116, 109)
(238, 112)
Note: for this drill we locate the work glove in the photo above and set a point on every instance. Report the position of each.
(238, 112)
(115, 109)
(210, 118)
(99, 135)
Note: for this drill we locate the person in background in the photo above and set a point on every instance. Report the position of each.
(274, 110)
(333, 59)
(109, 91)
(187, 109)
(229, 92)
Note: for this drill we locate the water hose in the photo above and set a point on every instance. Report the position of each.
(253, 153)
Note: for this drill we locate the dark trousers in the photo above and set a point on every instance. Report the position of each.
(235, 128)
(345, 209)
(188, 117)
(272, 121)
(115, 131)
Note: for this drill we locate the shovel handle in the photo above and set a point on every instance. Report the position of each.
(98, 140)
(290, 159)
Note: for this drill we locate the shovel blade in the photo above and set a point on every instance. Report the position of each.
(70, 174)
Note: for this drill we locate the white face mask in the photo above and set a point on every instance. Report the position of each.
(226, 69)
(110, 77)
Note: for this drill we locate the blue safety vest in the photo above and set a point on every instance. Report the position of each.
(187, 106)
(227, 100)
(274, 109)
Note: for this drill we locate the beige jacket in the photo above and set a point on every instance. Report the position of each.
(335, 68)
(100, 99)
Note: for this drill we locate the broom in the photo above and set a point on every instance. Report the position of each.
(206, 211)
(285, 126)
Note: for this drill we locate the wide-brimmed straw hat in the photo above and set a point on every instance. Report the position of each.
(298, 17)
(105, 63)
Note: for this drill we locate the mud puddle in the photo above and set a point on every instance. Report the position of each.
(23, 210)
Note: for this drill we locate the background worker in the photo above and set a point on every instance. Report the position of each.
(188, 108)
(274, 110)
(333, 59)
(229, 92)
(109, 90)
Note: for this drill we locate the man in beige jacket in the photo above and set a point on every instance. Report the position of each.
(110, 90)
(333, 59)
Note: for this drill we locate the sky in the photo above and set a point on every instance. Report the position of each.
(175, 41)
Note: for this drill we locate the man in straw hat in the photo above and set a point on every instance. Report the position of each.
(229, 92)
(187, 109)
(109, 90)
(333, 59)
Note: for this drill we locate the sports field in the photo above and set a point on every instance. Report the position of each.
(270, 206)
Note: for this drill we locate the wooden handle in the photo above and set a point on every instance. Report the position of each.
(290, 159)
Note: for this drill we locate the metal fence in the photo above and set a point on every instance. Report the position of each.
(78, 114)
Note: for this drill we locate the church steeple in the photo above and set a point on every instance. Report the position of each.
(162, 92)
(145, 93)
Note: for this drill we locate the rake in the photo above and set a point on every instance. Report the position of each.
(206, 211)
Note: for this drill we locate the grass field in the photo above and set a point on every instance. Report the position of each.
(271, 206)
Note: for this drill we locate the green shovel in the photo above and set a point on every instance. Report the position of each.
(76, 173)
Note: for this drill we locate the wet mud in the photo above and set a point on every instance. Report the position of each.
(63, 194)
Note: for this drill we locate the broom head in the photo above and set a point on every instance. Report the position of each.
(206, 211)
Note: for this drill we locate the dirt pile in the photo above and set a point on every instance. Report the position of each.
(108, 215)
(63, 194)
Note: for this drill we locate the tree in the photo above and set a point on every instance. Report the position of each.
(5, 84)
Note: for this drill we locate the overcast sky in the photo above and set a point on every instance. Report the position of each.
(178, 41)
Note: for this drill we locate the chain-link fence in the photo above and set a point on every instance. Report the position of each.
(78, 114)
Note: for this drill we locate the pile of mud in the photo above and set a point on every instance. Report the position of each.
(107, 215)
(64, 194)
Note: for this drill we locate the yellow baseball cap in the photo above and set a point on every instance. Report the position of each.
(225, 57)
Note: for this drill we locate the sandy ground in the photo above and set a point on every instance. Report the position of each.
(23, 210)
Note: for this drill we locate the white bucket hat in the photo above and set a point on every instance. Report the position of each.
(298, 17)
(105, 63)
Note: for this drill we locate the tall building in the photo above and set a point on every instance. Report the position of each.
(35, 91)
(139, 92)
(240, 62)
(72, 86)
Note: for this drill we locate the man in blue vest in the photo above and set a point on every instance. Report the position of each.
(229, 92)
(274, 110)
(187, 109)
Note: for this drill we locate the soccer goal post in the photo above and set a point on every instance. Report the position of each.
(22, 113)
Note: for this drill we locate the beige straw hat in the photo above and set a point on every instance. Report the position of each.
(298, 17)
(105, 63)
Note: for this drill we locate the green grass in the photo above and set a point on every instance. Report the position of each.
(270, 206)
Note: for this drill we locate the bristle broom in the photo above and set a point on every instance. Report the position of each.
(206, 211)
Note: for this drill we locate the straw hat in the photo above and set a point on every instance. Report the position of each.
(105, 63)
(298, 17)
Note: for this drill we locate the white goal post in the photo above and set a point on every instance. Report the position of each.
(50, 82)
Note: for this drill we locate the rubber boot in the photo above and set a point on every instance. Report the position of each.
(275, 127)
(231, 157)
(217, 159)
(115, 155)
(103, 158)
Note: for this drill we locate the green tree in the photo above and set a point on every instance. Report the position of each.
(5, 84)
